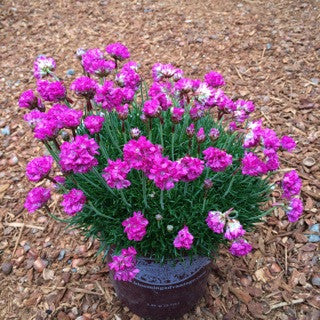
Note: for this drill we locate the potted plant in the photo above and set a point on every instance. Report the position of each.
(160, 175)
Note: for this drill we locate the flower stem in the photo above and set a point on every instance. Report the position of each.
(172, 143)
(53, 216)
(98, 212)
(144, 190)
(124, 199)
(161, 200)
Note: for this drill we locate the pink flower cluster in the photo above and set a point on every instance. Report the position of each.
(73, 201)
(160, 91)
(184, 239)
(128, 76)
(217, 159)
(252, 165)
(291, 185)
(151, 109)
(216, 221)
(39, 168)
(93, 62)
(118, 51)
(78, 156)
(43, 66)
(84, 86)
(240, 247)
(115, 174)
(165, 71)
(135, 226)
(214, 79)
(94, 123)
(51, 91)
(30, 101)
(192, 168)
(124, 265)
(36, 198)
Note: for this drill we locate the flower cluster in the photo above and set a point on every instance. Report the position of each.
(78, 156)
(124, 265)
(115, 174)
(73, 201)
(43, 66)
(217, 159)
(51, 91)
(216, 221)
(291, 185)
(135, 226)
(39, 168)
(184, 239)
(94, 123)
(84, 86)
(36, 198)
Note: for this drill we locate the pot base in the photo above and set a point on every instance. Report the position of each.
(164, 291)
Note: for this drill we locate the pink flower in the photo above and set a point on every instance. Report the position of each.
(128, 78)
(214, 79)
(216, 221)
(65, 116)
(295, 209)
(118, 51)
(135, 226)
(161, 91)
(151, 108)
(78, 156)
(214, 134)
(135, 133)
(217, 159)
(124, 265)
(94, 63)
(46, 128)
(184, 239)
(252, 138)
(288, 143)
(36, 198)
(201, 136)
(203, 94)
(207, 184)
(272, 159)
(123, 111)
(84, 86)
(73, 201)
(165, 71)
(34, 117)
(252, 165)
(177, 114)
(140, 153)
(94, 123)
(39, 168)
(183, 86)
(51, 91)
(269, 139)
(43, 66)
(233, 126)
(165, 173)
(240, 247)
(291, 184)
(28, 100)
(115, 174)
(234, 230)
(192, 168)
(196, 112)
(190, 130)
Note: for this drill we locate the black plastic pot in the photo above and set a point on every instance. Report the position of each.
(164, 291)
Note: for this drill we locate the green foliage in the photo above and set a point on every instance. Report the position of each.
(185, 204)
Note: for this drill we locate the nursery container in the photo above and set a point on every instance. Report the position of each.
(164, 290)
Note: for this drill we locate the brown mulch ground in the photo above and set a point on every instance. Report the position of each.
(268, 52)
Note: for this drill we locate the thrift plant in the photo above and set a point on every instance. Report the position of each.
(164, 172)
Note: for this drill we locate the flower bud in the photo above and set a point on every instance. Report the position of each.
(214, 134)
(135, 133)
(159, 217)
(207, 184)
(65, 135)
(201, 136)
(169, 227)
(190, 130)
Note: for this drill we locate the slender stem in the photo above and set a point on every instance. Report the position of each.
(53, 216)
(185, 188)
(56, 143)
(124, 198)
(115, 143)
(262, 215)
(172, 143)
(161, 134)
(161, 200)
(144, 190)
(98, 212)
(229, 187)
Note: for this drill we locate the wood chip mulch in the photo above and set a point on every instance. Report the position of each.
(268, 52)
